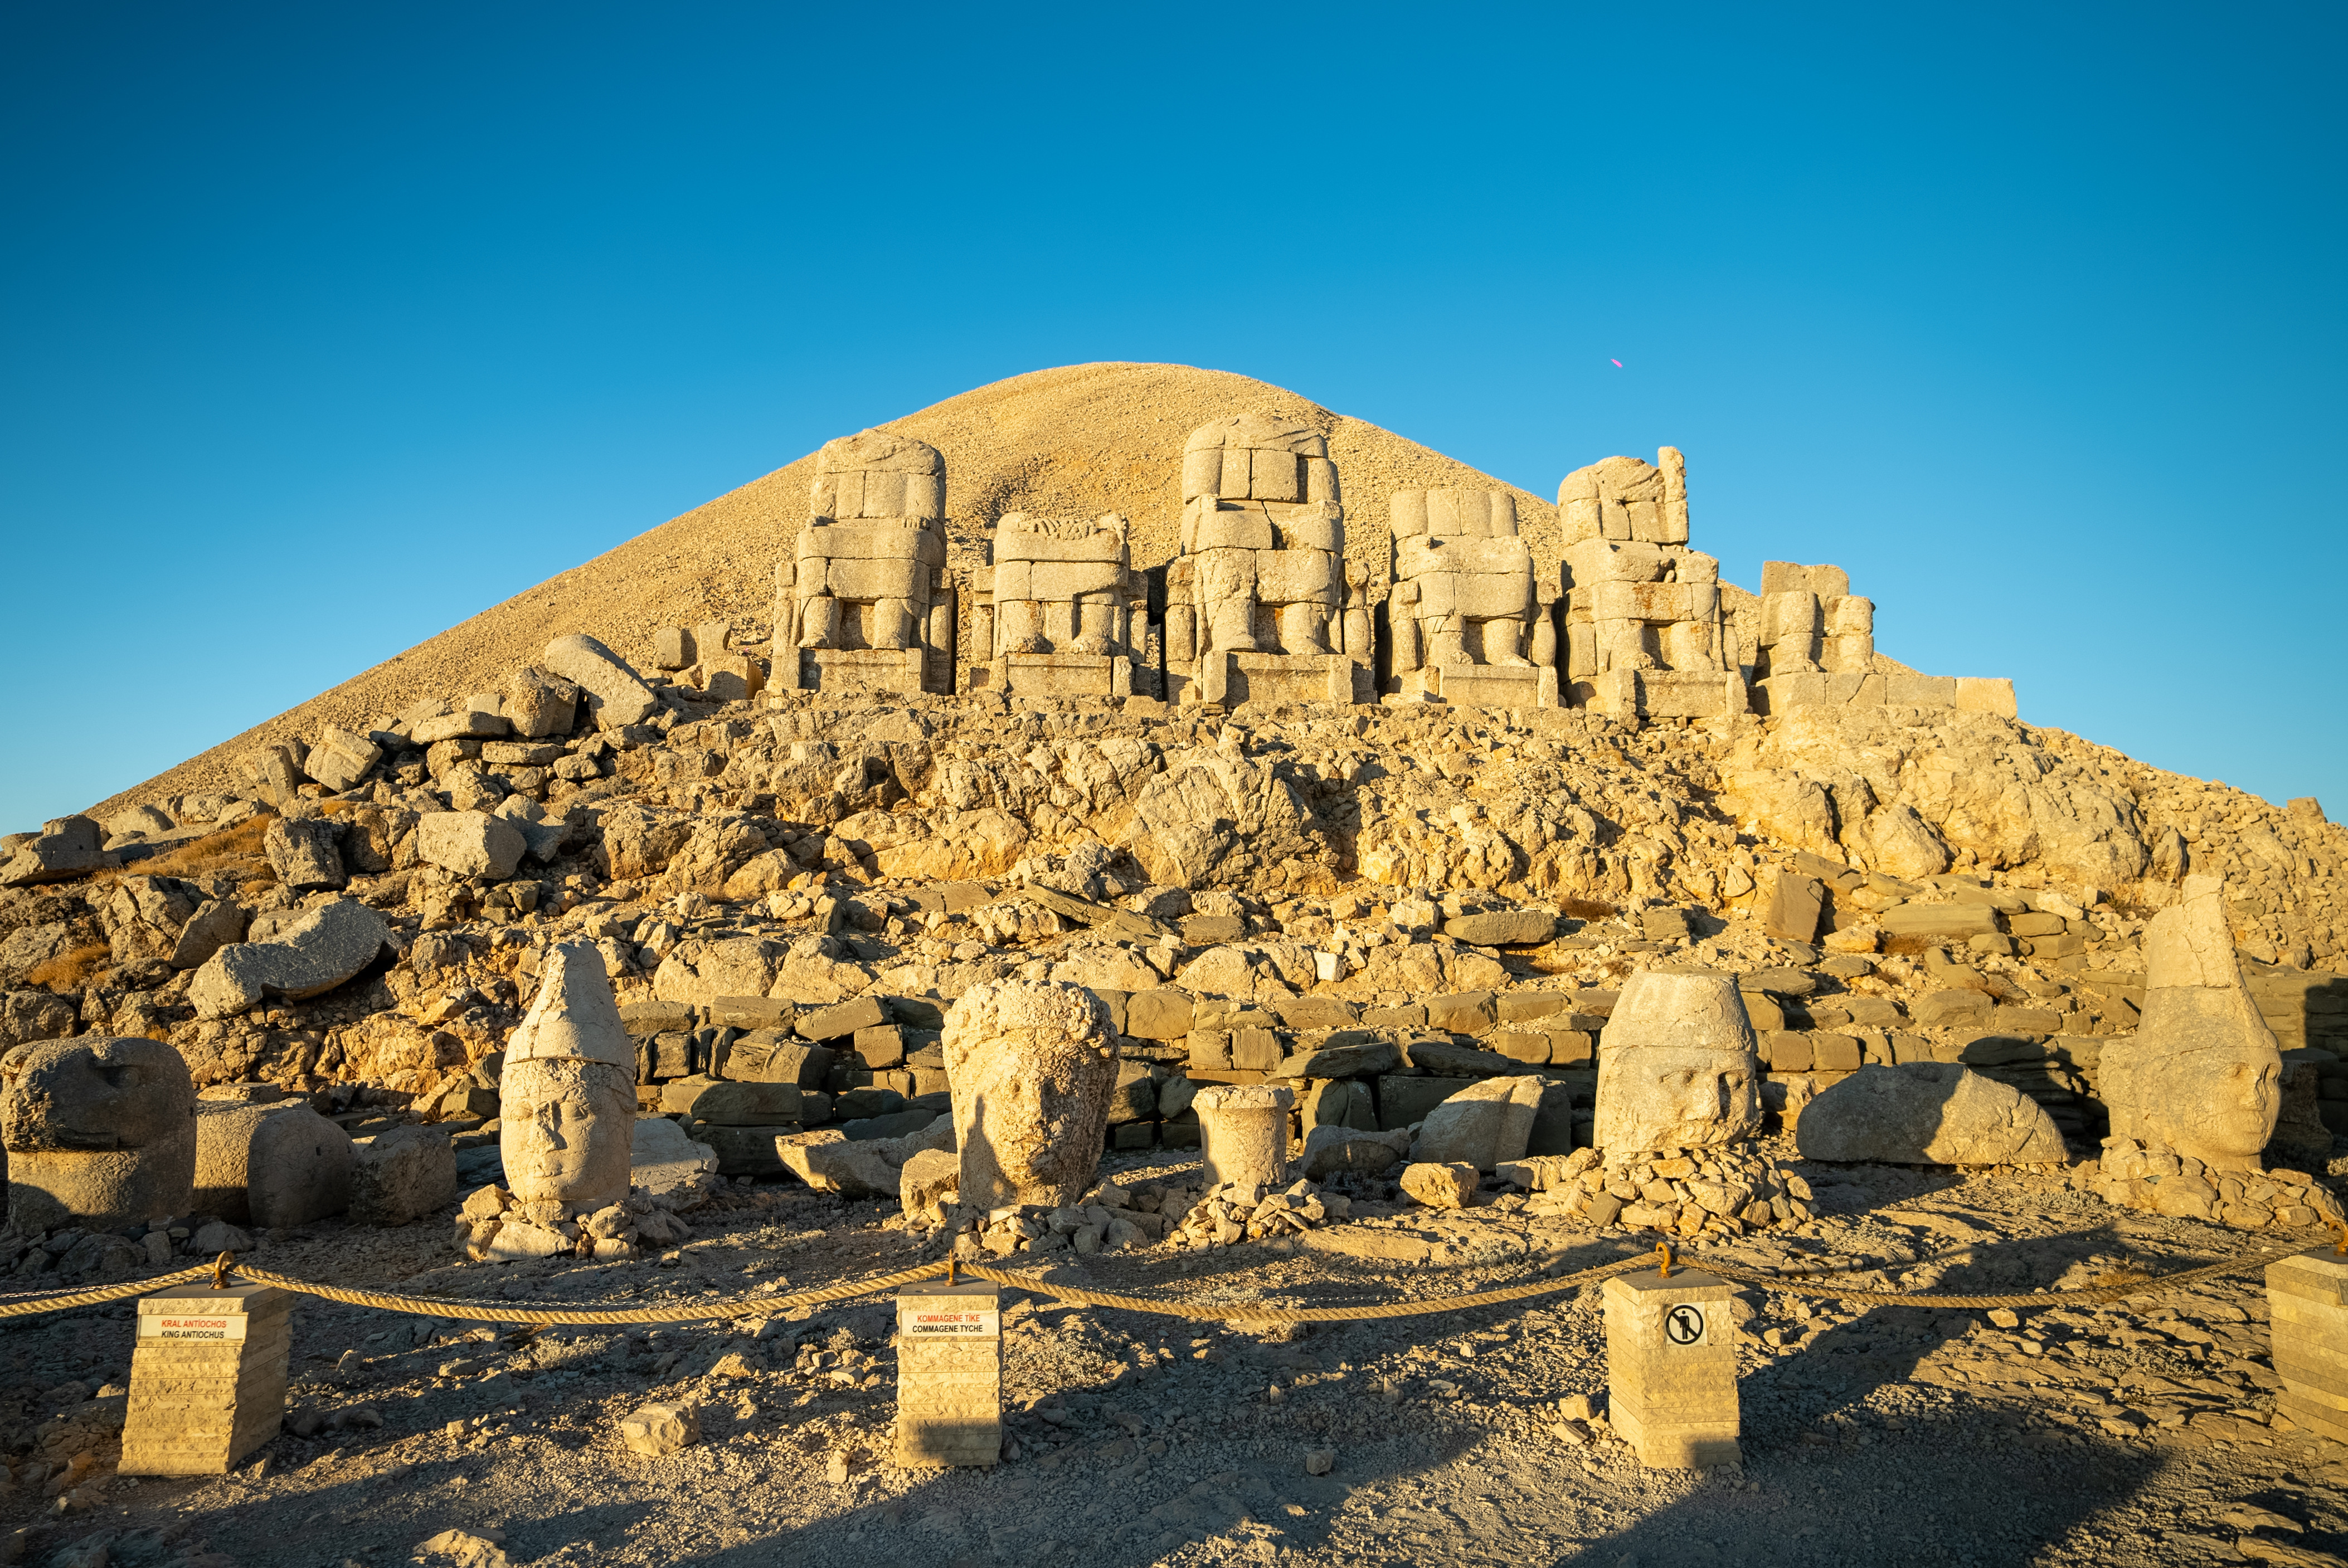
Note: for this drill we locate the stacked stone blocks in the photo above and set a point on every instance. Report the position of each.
(1468, 625)
(1261, 605)
(861, 603)
(949, 1375)
(1670, 1369)
(207, 1378)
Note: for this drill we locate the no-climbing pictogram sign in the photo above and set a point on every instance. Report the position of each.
(1684, 1325)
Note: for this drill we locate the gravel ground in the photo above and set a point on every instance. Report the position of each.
(2143, 1434)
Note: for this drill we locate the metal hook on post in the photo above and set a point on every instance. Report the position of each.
(1662, 1260)
(220, 1265)
(954, 1267)
(2340, 1249)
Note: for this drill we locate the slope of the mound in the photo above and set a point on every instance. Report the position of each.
(1075, 441)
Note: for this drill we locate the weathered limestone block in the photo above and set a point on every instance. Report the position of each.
(1679, 1070)
(341, 759)
(402, 1176)
(66, 848)
(144, 915)
(863, 598)
(662, 1159)
(99, 1130)
(539, 702)
(1030, 1066)
(271, 1165)
(306, 852)
(213, 926)
(1243, 1133)
(830, 1162)
(1440, 1185)
(1484, 1124)
(2201, 1076)
(1927, 1113)
(615, 694)
(325, 947)
(1330, 1151)
(471, 843)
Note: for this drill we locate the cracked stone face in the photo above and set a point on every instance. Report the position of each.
(1679, 1070)
(2201, 1076)
(567, 1130)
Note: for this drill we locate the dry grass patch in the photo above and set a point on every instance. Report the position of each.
(70, 971)
(233, 846)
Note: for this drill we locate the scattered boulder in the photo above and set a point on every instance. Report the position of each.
(663, 1159)
(29, 1016)
(539, 703)
(1927, 1113)
(1340, 1151)
(323, 948)
(1440, 1186)
(402, 1176)
(615, 694)
(341, 759)
(1488, 1121)
(470, 844)
(661, 1430)
(306, 852)
(928, 1178)
(100, 1132)
(1502, 928)
(271, 1164)
(65, 848)
(830, 1162)
(215, 924)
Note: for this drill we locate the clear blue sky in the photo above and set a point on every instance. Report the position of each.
(326, 326)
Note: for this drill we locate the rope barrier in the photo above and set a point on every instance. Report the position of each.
(98, 1296)
(1663, 1258)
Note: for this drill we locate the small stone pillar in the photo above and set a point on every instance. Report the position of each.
(1243, 1133)
(1670, 1369)
(2307, 1301)
(207, 1378)
(949, 1374)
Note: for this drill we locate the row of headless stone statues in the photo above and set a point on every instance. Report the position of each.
(1262, 603)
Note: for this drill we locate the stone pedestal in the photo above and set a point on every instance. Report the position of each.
(2307, 1298)
(207, 1378)
(949, 1375)
(1243, 1133)
(1670, 1369)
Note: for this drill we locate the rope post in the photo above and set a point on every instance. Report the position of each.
(220, 1265)
(949, 1374)
(1662, 1260)
(207, 1377)
(1670, 1367)
(2307, 1312)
